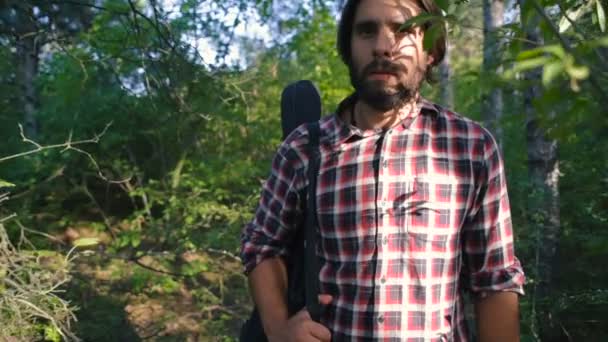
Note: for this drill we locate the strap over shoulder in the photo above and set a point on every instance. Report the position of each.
(314, 130)
(312, 261)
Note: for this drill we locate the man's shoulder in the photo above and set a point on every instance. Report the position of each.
(296, 145)
(454, 121)
(300, 138)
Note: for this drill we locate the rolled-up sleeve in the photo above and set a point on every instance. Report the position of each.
(489, 259)
(278, 211)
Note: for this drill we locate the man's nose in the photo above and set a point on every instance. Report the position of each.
(385, 43)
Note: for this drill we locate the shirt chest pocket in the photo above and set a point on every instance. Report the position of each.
(433, 210)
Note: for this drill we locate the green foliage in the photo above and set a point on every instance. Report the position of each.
(191, 142)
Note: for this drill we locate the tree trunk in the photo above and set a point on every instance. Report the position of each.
(543, 204)
(445, 79)
(27, 58)
(492, 101)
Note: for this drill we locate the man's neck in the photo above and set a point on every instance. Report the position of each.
(366, 117)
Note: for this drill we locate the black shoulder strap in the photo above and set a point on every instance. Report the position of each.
(312, 262)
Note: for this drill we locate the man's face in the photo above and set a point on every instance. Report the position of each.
(387, 65)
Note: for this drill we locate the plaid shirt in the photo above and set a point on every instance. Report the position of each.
(409, 218)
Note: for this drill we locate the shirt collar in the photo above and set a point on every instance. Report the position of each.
(342, 131)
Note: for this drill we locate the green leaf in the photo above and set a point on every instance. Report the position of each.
(528, 54)
(135, 240)
(551, 71)
(5, 184)
(555, 49)
(532, 63)
(419, 20)
(443, 4)
(86, 242)
(431, 35)
(601, 15)
(579, 72)
(599, 42)
(51, 334)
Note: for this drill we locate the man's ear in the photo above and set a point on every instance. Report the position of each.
(430, 59)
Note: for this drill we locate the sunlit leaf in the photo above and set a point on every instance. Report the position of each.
(572, 15)
(5, 184)
(579, 72)
(532, 63)
(86, 242)
(551, 71)
(601, 15)
(556, 50)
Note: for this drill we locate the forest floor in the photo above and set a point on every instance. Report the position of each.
(119, 300)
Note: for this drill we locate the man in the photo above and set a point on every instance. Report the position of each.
(411, 202)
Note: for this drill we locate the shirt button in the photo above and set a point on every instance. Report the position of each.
(385, 240)
(383, 280)
(380, 319)
(385, 163)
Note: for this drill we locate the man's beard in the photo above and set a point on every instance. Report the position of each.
(380, 96)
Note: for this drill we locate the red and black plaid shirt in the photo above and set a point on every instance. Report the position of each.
(409, 218)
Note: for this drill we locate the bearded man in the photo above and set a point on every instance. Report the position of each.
(412, 204)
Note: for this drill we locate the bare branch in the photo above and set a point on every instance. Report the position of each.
(10, 217)
(66, 146)
(30, 293)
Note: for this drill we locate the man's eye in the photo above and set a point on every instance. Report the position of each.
(366, 30)
(405, 30)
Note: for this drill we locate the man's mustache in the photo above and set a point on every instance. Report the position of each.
(383, 66)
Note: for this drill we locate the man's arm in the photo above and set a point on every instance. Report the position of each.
(268, 286)
(498, 317)
(493, 273)
(265, 242)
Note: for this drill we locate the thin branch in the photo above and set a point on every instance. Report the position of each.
(32, 231)
(66, 145)
(141, 264)
(12, 216)
(43, 314)
(156, 27)
(224, 253)
(106, 219)
(31, 291)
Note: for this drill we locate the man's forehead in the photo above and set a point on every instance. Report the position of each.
(386, 10)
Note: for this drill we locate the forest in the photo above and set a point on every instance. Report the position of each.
(137, 134)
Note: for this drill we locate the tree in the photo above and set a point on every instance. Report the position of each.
(445, 80)
(543, 168)
(30, 26)
(492, 100)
